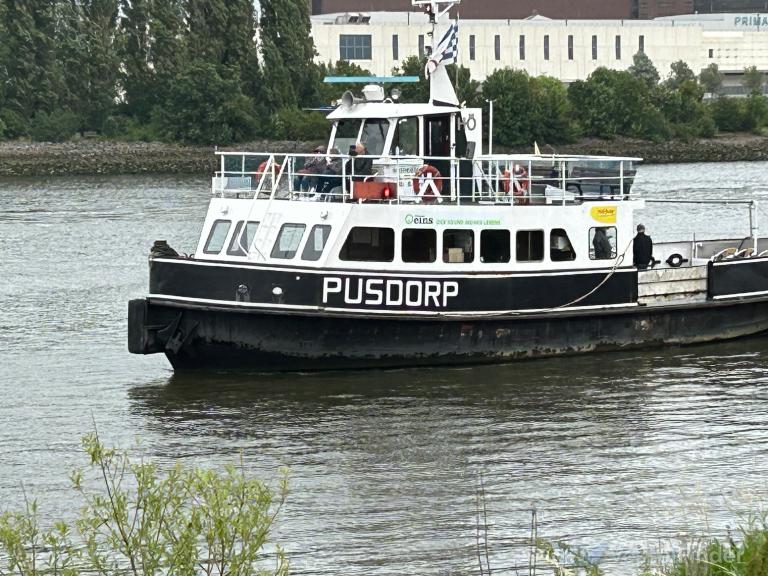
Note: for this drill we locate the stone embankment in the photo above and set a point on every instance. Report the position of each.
(97, 157)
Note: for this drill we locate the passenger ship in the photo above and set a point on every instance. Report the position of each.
(423, 250)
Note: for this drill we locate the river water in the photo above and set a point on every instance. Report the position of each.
(617, 453)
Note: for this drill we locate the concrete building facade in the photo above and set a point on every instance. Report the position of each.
(565, 49)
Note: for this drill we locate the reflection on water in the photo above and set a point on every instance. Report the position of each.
(614, 451)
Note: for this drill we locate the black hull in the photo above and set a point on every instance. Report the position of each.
(207, 338)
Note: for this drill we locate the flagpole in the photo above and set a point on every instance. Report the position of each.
(457, 51)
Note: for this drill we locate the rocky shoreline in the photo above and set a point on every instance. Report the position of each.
(111, 158)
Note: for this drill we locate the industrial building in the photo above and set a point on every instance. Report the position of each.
(556, 9)
(566, 49)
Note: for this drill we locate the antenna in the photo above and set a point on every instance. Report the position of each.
(435, 8)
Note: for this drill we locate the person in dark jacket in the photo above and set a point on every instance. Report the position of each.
(642, 249)
(602, 245)
(359, 167)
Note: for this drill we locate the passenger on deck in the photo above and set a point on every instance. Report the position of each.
(331, 177)
(642, 249)
(358, 168)
(602, 245)
(306, 177)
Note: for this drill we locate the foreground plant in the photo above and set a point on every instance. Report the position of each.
(138, 520)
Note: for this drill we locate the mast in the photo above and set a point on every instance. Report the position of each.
(442, 50)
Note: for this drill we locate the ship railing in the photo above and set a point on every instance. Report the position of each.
(494, 179)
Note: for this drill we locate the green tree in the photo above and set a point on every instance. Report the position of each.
(413, 92)
(33, 79)
(712, 79)
(680, 73)
(753, 80)
(729, 114)
(205, 107)
(288, 54)
(643, 68)
(755, 112)
(612, 102)
(136, 55)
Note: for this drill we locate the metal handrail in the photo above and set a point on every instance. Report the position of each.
(492, 176)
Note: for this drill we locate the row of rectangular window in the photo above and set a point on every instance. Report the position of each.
(521, 47)
(419, 245)
(358, 47)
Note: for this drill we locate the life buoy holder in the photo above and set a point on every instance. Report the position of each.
(519, 186)
(426, 174)
(676, 260)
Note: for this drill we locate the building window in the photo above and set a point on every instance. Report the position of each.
(711, 53)
(395, 48)
(241, 241)
(546, 47)
(315, 245)
(602, 243)
(522, 47)
(641, 44)
(497, 46)
(560, 247)
(594, 47)
(355, 46)
(218, 235)
(494, 246)
(369, 245)
(472, 47)
(458, 246)
(570, 47)
(618, 47)
(288, 241)
(530, 246)
(419, 245)
(421, 44)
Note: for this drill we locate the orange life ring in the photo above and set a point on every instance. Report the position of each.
(431, 172)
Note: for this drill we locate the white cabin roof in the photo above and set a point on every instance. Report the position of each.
(388, 110)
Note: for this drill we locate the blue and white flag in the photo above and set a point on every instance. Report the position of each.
(447, 49)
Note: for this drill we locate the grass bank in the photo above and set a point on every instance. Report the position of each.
(87, 157)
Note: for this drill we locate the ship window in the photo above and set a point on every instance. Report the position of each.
(315, 245)
(406, 139)
(374, 135)
(354, 46)
(560, 247)
(602, 243)
(288, 241)
(458, 246)
(217, 236)
(494, 246)
(369, 245)
(347, 132)
(419, 245)
(530, 246)
(242, 238)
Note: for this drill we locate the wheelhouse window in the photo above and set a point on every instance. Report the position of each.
(347, 133)
(419, 245)
(369, 245)
(217, 236)
(529, 245)
(288, 241)
(374, 135)
(315, 245)
(242, 238)
(602, 243)
(458, 246)
(560, 247)
(355, 46)
(494, 246)
(406, 139)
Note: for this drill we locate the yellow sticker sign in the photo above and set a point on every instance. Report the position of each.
(605, 214)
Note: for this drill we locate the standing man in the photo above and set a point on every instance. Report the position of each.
(642, 250)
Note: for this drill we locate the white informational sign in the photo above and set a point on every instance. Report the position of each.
(401, 171)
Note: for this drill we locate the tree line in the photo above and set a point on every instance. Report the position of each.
(219, 72)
